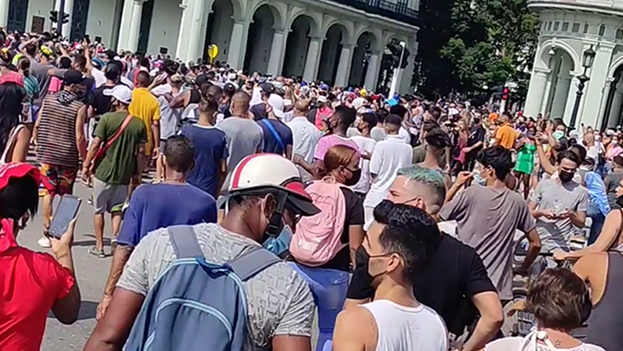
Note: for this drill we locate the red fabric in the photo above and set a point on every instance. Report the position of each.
(12, 77)
(30, 282)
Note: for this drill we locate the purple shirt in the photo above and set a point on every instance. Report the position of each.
(327, 142)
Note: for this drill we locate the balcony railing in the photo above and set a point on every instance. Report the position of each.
(398, 11)
(608, 4)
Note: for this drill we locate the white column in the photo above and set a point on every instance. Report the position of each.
(407, 75)
(181, 49)
(560, 95)
(4, 13)
(275, 63)
(602, 111)
(193, 39)
(548, 90)
(538, 80)
(311, 64)
(372, 72)
(135, 28)
(594, 89)
(343, 68)
(238, 43)
(124, 26)
(67, 8)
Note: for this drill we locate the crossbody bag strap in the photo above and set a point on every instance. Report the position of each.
(114, 138)
(273, 131)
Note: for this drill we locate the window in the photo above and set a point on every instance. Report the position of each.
(543, 24)
(556, 25)
(575, 28)
(565, 26)
(549, 25)
(585, 28)
(619, 34)
(602, 30)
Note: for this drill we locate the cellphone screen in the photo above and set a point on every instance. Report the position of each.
(65, 213)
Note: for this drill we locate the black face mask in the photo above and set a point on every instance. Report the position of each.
(565, 176)
(355, 178)
(620, 201)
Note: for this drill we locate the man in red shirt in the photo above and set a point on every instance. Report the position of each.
(31, 283)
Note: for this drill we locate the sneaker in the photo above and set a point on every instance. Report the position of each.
(44, 242)
(97, 253)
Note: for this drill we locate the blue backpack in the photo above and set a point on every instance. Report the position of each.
(194, 304)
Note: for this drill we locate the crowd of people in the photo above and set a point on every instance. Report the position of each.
(272, 200)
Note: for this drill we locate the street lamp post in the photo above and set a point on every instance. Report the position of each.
(587, 62)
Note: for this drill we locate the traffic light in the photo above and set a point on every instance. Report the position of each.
(54, 17)
(505, 93)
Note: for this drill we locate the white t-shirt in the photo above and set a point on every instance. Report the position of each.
(389, 156)
(515, 344)
(305, 138)
(404, 135)
(366, 145)
(401, 328)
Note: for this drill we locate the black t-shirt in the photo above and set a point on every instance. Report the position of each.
(475, 135)
(354, 216)
(446, 284)
(259, 111)
(195, 96)
(101, 102)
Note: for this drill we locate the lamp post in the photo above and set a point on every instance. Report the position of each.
(587, 62)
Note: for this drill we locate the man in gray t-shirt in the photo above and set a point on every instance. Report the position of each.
(244, 137)
(279, 300)
(559, 207)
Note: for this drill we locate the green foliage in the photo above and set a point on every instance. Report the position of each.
(466, 45)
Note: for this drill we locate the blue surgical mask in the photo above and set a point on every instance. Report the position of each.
(558, 134)
(281, 243)
(480, 180)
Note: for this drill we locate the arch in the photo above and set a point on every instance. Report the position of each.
(345, 30)
(546, 46)
(373, 36)
(236, 5)
(614, 66)
(278, 16)
(260, 38)
(314, 28)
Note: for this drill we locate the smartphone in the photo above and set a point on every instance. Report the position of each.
(65, 212)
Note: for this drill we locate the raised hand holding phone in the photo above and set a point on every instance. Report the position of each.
(64, 216)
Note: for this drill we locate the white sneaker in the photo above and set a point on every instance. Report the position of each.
(44, 242)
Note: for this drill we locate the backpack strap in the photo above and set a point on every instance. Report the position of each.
(253, 262)
(184, 241)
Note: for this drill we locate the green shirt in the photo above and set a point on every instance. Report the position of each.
(119, 162)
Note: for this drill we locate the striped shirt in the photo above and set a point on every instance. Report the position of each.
(56, 136)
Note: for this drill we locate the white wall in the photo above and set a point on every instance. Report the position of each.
(39, 8)
(102, 19)
(165, 26)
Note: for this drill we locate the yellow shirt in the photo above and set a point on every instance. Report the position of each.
(506, 136)
(146, 107)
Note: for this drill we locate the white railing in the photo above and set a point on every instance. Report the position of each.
(596, 3)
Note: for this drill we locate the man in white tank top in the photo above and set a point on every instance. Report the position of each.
(400, 240)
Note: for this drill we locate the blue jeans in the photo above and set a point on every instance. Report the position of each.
(329, 288)
(598, 219)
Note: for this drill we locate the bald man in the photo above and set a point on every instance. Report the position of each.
(244, 135)
(305, 136)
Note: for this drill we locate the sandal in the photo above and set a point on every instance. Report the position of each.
(97, 253)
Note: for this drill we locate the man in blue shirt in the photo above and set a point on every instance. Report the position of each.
(153, 206)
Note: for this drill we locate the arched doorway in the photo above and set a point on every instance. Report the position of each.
(18, 10)
(259, 43)
(297, 46)
(614, 102)
(557, 102)
(330, 54)
(361, 59)
(219, 28)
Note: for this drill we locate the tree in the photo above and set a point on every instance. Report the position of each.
(468, 44)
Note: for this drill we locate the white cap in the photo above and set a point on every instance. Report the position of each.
(276, 102)
(359, 102)
(322, 99)
(232, 76)
(120, 93)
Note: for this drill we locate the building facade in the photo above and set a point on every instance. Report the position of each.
(569, 28)
(337, 41)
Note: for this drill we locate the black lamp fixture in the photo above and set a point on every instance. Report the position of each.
(588, 58)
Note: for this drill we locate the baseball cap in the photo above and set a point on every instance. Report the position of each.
(276, 102)
(260, 174)
(322, 99)
(73, 76)
(201, 79)
(267, 88)
(120, 93)
(359, 102)
(17, 170)
(176, 78)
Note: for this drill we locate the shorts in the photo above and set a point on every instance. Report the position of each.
(60, 177)
(162, 144)
(108, 197)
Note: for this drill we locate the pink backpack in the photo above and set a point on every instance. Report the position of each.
(317, 238)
